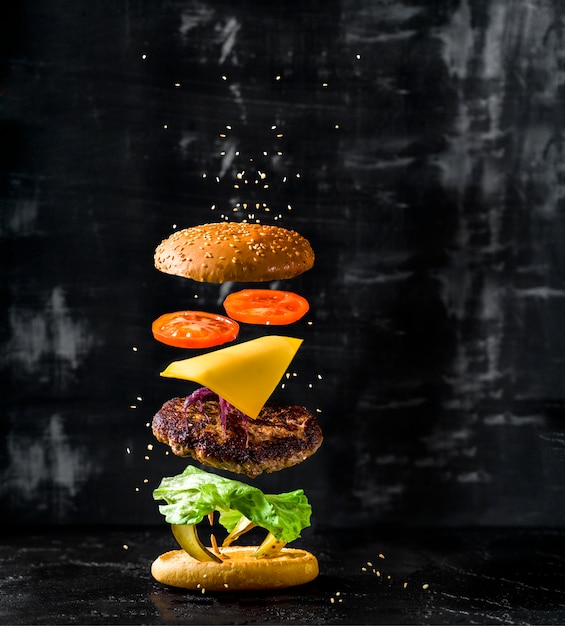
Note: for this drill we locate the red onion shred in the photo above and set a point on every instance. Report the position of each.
(224, 408)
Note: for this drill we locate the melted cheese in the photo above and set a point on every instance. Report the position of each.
(244, 374)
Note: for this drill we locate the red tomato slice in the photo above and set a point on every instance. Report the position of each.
(265, 306)
(194, 329)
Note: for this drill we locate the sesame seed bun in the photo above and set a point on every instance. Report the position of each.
(233, 251)
(239, 570)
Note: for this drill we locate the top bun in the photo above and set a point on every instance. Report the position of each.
(234, 251)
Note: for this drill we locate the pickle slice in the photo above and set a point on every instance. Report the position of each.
(271, 546)
(242, 526)
(188, 539)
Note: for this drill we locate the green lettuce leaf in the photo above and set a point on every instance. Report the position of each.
(195, 493)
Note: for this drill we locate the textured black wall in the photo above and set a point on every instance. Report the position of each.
(421, 153)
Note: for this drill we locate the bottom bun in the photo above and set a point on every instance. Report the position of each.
(238, 571)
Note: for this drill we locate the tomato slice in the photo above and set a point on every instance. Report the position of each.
(194, 329)
(265, 306)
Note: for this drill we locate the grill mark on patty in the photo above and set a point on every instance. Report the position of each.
(280, 437)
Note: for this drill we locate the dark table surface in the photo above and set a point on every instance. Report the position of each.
(408, 576)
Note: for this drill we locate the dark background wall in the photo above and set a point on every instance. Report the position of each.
(422, 155)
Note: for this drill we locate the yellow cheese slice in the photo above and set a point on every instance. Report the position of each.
(244, 374)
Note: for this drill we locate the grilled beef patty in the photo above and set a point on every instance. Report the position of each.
(280, 437)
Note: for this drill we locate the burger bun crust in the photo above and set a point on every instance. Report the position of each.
(239, 570)
(234, 251)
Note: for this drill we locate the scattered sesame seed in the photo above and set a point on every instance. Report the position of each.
(125, 546)
(425, 586)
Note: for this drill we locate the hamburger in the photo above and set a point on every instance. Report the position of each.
(228, 424)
